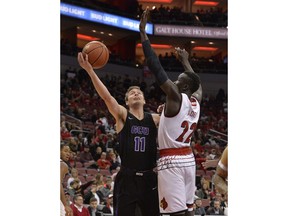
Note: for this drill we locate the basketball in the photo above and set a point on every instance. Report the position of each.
(98, 54)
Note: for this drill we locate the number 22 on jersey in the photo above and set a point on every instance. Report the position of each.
(187, 130)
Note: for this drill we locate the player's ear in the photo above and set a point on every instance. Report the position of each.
(185, 87)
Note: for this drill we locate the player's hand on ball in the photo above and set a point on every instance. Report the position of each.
(83, 62)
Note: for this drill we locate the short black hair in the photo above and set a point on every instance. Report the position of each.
(195, 80)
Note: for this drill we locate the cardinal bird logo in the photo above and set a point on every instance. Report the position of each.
(163, 203)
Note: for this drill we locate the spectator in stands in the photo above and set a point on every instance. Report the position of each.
(114, 162)
(95, 150)
(86, 157)
(106, 189)
(108, 208)
(73, 187)
(199, 209)
(215, 210)
(103, 163)
(74, 176)
(93, 192)
(203, 192)
(92, 208)
(73, 144)
(68, 197)
(77, 206)
(65, 134)
(99, 178)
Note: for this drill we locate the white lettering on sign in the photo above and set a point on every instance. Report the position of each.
(96, 16)
(110, 19)
(185, 31)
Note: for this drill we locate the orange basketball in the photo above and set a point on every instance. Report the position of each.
(98, 54)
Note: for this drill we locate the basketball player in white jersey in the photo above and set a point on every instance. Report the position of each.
(178, 121)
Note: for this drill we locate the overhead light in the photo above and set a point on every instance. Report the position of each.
(157, 46)
(203, 48)
(87, 37)
(206, 3)
(110, 34)
(210, 42)
(193, 42)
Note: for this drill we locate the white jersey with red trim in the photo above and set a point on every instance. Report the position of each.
(176, 131)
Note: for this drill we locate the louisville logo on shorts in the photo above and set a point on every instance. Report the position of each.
(163, 203)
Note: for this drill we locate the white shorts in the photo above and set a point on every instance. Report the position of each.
(176, 182)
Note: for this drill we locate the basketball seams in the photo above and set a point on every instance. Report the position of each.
(97, 58)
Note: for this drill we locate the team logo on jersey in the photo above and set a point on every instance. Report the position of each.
(163, 203)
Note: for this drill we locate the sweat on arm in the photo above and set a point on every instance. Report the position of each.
(154, 63)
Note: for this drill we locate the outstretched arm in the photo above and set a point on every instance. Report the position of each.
(173, 99)
(119, 112)
(183, 58)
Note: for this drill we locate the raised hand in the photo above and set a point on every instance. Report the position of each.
(143, 20)
(181, 54)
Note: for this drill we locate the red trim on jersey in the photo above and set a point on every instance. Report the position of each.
(175, 151)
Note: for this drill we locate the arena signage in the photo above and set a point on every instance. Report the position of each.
(103, 18)
(191, 31)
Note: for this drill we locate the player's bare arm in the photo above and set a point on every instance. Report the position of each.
(118, 111)
(183, 57)
(173, 95)
(220, 177)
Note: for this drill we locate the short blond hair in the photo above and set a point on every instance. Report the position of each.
(129, 89)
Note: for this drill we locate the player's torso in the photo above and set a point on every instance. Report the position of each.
(137, 141)
(176, 132)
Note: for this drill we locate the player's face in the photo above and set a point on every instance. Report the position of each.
(65, 153)
(135, 96)
(181, 81)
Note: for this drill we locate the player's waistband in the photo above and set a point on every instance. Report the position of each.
(136, 172)
(175, 151)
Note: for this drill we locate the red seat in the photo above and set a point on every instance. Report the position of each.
(82, 171)
(82, 179)
(79, 164)
(90, 178)
(91, 172)
(105, 172)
